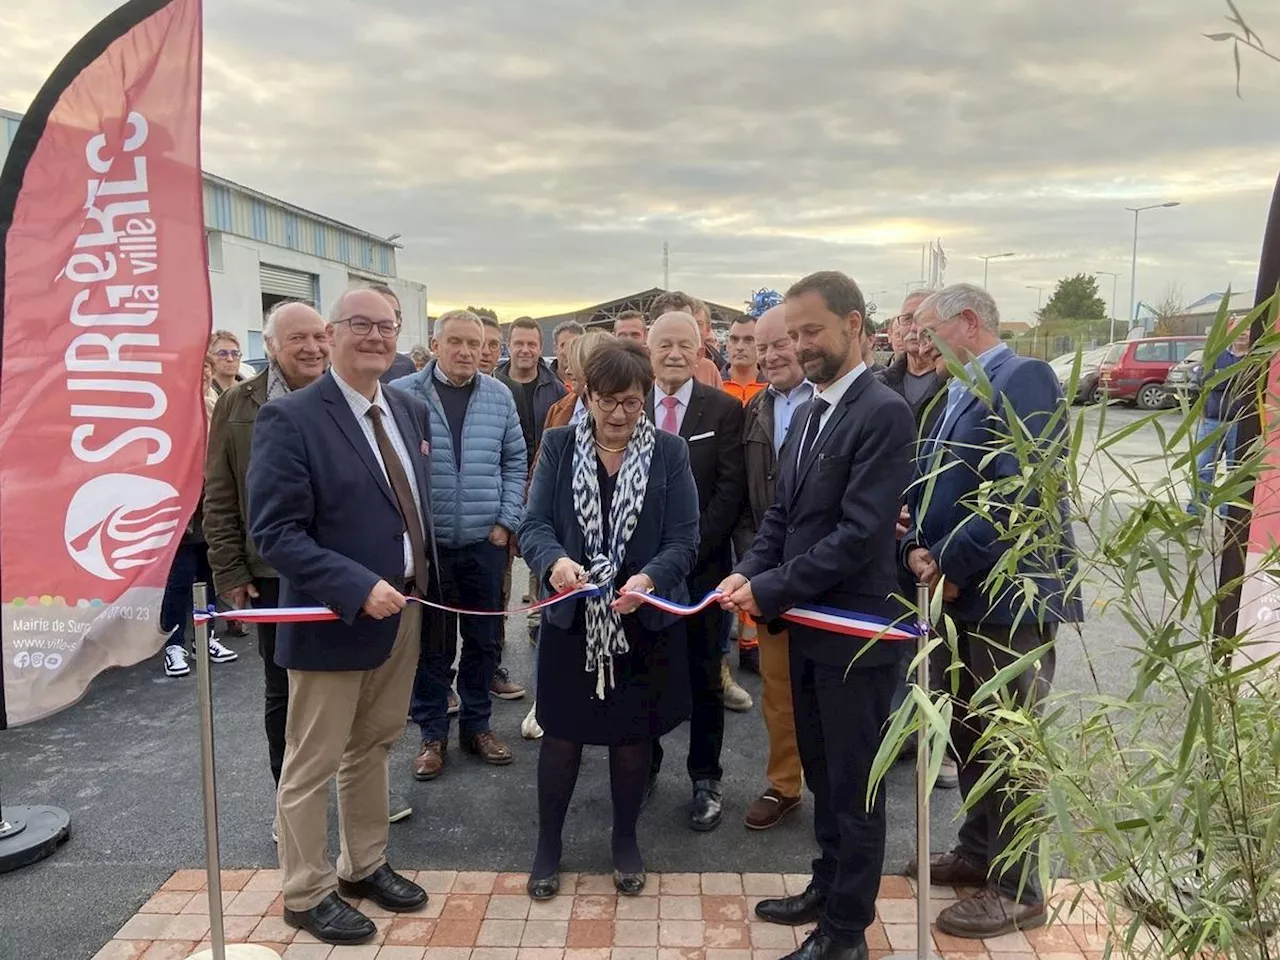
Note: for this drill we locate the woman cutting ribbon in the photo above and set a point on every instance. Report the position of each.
(612, 503)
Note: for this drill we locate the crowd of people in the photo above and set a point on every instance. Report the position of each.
(645, 460)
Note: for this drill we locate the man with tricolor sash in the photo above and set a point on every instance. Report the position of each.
(827, 545)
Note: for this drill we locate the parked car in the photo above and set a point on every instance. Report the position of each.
(1087, 390)
(1185, 377)
(1134, 370)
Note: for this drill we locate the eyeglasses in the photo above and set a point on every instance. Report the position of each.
(227, 354)
(904, 318)
(631, 405)
(363, 326)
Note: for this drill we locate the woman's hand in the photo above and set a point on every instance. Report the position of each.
(566, 575)
(627, 602)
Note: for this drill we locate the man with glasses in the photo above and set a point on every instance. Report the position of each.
(957, 542)
(402, 365)
(478, 473)
(339, 499)
(491, 349)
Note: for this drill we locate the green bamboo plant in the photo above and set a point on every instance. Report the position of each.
(1156, 790)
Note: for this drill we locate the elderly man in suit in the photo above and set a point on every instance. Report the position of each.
(952, 542)
(339, 497)
(711, 422)
(829, 540)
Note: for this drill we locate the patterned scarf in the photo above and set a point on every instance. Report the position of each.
(277, 386)
(605, 637)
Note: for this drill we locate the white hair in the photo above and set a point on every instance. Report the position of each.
(958, 297)
(681, 315)
(269, 324)
(450, 315)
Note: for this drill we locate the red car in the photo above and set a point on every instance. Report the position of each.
(1135, 370)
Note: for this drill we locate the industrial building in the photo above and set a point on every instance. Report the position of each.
(262, 250)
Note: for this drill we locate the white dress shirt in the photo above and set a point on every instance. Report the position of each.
(833, 393)
(360, 407)
(683, 395)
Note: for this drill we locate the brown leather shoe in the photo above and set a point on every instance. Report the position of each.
(488, 748)
(988, 913)
(430, 762)
(950, 870)
(768, 810)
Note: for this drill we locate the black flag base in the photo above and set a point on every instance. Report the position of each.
(29, 834)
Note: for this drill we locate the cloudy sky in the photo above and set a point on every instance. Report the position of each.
(536, 155)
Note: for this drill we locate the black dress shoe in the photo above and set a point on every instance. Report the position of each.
(793, 911)
(332, 920)
(387, 889)
(707, 808)
(629, 884)
(819, 946)
(544, 888)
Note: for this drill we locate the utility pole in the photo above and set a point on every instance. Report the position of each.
(666, 266)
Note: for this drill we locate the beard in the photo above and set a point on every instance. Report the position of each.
(822, 366)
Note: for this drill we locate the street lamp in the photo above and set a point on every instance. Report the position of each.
(986, 263)
(1133, 273)
(1114, 278)
(1040, 295)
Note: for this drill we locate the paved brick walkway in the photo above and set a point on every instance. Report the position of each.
(487, 916)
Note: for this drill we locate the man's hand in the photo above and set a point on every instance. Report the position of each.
(239, 597)
(640, 583)
(383, 601)
(904, 523)
(921, 563)
(499, 535)
(743, 600)
(949, 591)
(727, 586)
(566, 575)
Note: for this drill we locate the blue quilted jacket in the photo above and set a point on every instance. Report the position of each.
(490, 488)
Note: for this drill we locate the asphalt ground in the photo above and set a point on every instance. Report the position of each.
(124, 762)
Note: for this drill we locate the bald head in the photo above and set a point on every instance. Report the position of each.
(777, 350)
(364, 329)
(669, 321)
(298, 341)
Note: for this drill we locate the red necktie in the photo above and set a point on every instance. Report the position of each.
(669, 415)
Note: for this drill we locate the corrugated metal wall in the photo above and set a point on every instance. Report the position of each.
(233, 212)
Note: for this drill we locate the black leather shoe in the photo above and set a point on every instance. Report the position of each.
(629, 884)
(707, 808)
(544, 888)
(332, 920)
(793, 911)
(387, 889)
(819, 946)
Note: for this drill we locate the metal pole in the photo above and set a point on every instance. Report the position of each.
(666, 266)
(208, 782)
(986, 262)
(924, 937)
(1133, 271)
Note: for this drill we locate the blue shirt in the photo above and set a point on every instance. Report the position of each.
(957, 388)
(784, 408)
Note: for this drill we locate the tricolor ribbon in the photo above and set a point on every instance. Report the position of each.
(843, 622)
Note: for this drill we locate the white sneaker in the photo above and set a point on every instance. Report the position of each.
(948, 774)
(529, 727)
(175, 662)
(220, 654)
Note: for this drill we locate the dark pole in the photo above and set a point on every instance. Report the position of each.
(1237, 539)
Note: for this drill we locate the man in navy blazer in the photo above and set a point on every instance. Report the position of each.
(953, 540)
(829, 540)
(339, 505)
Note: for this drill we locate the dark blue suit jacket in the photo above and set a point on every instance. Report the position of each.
(829, 537)
(665, 542)
(967, 546)
(322, 513)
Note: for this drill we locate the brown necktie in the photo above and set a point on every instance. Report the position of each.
(404, 497)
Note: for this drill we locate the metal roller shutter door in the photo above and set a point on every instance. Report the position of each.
(284, 282)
